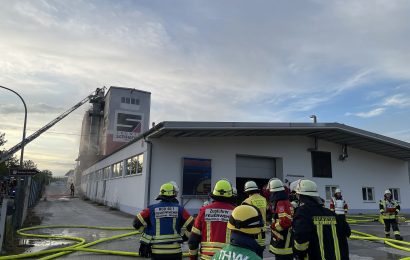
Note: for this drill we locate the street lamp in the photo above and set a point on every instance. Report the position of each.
(24, 127)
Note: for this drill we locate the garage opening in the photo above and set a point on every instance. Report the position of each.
(253, 168)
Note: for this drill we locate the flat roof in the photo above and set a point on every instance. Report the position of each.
(332, 132)
(130, 89)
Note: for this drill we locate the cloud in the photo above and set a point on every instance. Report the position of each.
(31, 109)
(397, 100)
(372, 113)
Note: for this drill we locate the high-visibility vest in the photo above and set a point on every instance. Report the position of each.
(339, 206)
(389, 209)
(259, 202)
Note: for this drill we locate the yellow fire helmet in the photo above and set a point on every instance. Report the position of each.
(223, 188)
(167, 190)
(246, 219)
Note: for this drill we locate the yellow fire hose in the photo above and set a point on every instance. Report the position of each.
(81, 244)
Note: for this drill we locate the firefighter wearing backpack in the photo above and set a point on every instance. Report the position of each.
(258, 201)
(210, 232)
(164, 223)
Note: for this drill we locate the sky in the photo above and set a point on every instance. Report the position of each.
(232, 60)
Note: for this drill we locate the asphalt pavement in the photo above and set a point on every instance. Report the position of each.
(61, 209)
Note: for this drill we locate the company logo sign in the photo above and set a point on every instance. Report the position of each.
(128, 125)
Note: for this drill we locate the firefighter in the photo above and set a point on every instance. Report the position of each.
(318, 234)
(165, 224)
(389, 209)
(176, 187)
(245, 224)
(292, 196)
(257, 200)
(338, 205)
(209, 230)
(282, 211)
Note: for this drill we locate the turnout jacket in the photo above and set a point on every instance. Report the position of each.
(164, 224)
(281, 228)
(389, 208)
(210, 229)
(318, 234)
(259, 202)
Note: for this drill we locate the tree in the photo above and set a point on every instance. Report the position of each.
(12, 162)
(44, 176)
(29, 165)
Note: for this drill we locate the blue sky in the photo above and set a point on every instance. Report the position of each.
(345, 61)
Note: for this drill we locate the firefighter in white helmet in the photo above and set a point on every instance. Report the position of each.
(389, 208)
(338, 205)
(292, 196)
(258, 201)
(318, 234)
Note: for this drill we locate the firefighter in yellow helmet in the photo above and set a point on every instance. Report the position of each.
(245, 224)
(258, 201)
(209, 230)
(389, 209)
(164, 224)
(318, 234)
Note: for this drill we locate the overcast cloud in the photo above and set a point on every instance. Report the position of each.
(345, 61)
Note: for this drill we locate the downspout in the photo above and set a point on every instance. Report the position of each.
(150, 147)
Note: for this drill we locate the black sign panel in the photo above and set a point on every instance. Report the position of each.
(23, 172)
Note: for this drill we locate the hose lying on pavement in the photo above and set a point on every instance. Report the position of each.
(83, 246)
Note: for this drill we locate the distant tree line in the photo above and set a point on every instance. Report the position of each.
(13, 162)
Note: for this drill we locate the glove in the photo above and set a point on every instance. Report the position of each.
(145, 250)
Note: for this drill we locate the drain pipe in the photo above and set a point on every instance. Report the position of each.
(150, 147)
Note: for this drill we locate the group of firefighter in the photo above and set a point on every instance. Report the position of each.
(301, 226)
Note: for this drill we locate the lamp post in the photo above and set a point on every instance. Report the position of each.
(24, 127)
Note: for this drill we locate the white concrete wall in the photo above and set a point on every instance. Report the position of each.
(127, 193)
(359, 170)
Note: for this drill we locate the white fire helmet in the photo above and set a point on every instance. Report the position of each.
(275, 185)
(251, 186)
(307, 187)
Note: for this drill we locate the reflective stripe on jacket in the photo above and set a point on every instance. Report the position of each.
(259, 202)
(210, 229)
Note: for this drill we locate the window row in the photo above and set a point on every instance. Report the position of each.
(132, 101)
(130, 166)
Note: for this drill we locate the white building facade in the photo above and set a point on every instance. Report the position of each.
(197, 154)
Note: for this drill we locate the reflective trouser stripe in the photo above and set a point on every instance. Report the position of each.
(260, 240)
(336, 242)
(174, 248)
(396, 232)
(280, 251)
(319, 230)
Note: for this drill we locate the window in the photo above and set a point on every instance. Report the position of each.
(132, 101)
(117, 169)
(368, 193)
(395, 193)
(106, 173)
(330, 191)
(321, 164)
(127, 100)
(123, 100)
(135, 165)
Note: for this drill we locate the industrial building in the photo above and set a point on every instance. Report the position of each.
(196, 154)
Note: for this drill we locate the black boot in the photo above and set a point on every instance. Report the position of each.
(387, 235)
(398, 237)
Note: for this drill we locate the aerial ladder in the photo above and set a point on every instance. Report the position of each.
(93, 97)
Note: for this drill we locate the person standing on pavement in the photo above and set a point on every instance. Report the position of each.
(338, 205)
(72, 189)
(258, 201)
(389, 209)
(281, 228)
(165, 224)
(210, 228)
(318, 234)
(245, 224)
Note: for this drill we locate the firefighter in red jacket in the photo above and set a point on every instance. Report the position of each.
(210, 228)
(165, 224)
(282, 211)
